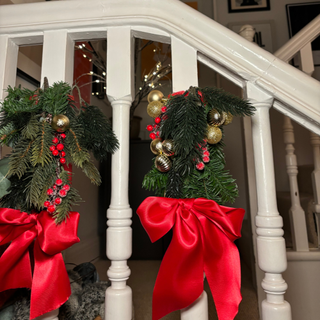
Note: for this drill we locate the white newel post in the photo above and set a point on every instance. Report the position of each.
(57, 65)
(296, 213)
(315, 142)
(120, 92)
(184, 75)
(270, 243)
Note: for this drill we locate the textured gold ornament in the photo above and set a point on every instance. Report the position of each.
(168, 147)
(154, 109)
(216, 118)
(156, 146)
(229, 118)
(214, 134)
(155, 95)
(163, 163)
(60, 123)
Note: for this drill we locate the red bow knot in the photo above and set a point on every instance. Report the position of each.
(202, 241)
(49, 284)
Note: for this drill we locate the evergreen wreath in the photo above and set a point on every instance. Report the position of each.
(188, 141)
(47, 132)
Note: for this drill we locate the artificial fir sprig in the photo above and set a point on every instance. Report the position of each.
(47, 133)
(197, 167)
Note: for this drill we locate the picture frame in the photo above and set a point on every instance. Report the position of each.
(248, 5)
(298, 16)
(264, 32)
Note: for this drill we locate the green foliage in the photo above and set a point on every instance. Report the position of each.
(185, 122)
(25, 125)
(98, 136)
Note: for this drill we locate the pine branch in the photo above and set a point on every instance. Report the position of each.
(91, 172)
(155, 181)
(41, 153)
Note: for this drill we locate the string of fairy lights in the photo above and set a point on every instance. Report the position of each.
(151, 80)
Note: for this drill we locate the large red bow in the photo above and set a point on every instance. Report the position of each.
(49, 284)
(202, 241)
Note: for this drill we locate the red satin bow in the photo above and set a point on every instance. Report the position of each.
(49, 284)
(202, 241)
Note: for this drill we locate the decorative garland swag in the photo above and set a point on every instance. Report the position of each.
(189, 178)
(47, 134)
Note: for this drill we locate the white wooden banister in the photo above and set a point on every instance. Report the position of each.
(120, 90)
(270, 243)
(296, 213)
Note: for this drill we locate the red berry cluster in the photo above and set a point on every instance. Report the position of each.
(55, 194)
(58, 146)
(205, 156)
(154, 129)
(34, 98)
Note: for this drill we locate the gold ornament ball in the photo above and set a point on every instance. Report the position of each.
(168, 147)
(216, 118)
(155, 95)
(156, 146)
(229, 118)
(154, 109)
(163, 163)
(60, 123)
(214, 134)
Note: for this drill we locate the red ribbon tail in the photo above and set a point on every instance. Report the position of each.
(50, 286)
(222, 269)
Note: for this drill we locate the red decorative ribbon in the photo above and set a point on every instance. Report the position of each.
(49, 284)
(202, 241)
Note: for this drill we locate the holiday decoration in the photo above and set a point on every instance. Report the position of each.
(154, 109)
(156, 146)
(47, 134)
(213, 134)
(192, 185)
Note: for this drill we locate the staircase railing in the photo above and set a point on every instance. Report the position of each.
(266, 80)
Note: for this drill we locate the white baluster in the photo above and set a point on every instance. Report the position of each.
(270, 243)
(8, 66)
(184, 75)
(315, 142)
(57, 65)
(306, 57)
(119, 233)
(57, 57)
(296, 213)
(52, 315)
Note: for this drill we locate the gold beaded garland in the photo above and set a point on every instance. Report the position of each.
(216, 118)
(229, 118)
(168, 147)
(60, 123)
(214, 134)
(163, 163)
(155, 95)
(156, 146)
(154, 109)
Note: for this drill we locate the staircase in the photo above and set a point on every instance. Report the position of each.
(267, 82)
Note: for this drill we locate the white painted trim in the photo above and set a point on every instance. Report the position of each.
(312, 255)
(228, 49)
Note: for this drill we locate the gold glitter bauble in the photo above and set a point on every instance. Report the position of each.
(214, 134)
(156, 146)
(154, 109)
(168, 147)
(155, 95)
(60, 123)
(163, 163)
(216, 118)
(229, 118)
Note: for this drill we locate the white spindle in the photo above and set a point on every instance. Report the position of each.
(184, 75)
(57, 65)
(270, 243)
(296, 213)
(57, 57)
(52, 315)
(307, 65)
(315, 142)
(119, 233)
